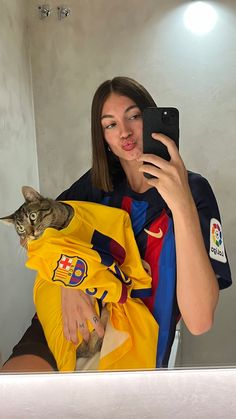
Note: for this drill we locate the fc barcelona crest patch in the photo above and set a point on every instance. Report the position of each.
(70, 270)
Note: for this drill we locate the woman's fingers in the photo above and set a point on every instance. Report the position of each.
(169, 177)
(159, 161)
(154, 160)
(71, 331)
(97, 324)
(150, 169)
(168, 142)
(72, 317)
(83, 329)
(77, 308)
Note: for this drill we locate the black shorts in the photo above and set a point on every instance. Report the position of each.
(34, 343)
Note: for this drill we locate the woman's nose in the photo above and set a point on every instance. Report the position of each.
(125, 132)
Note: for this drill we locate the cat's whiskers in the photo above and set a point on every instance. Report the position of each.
(22, 241)
(21, 252)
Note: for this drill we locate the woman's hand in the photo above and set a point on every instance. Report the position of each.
(171, 179)
(197, 288)
(77, 307)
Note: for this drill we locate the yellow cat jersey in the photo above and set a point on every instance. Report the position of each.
(96, 253)
(98, 240)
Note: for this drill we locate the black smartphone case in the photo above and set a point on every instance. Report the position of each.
(163, 120)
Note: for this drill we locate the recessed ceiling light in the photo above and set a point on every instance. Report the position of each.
(200, 17)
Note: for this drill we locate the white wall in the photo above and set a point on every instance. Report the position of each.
(18, 166)
(145, 40)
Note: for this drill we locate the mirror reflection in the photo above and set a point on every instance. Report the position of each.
(51, 68)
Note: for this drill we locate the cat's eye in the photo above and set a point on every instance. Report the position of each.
(20, 228)
(33, 216)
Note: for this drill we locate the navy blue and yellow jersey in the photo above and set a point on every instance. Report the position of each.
(154, 233)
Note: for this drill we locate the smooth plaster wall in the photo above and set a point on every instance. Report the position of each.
(18, 166)
(147, 41)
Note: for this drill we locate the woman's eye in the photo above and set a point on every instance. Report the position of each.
(21, 228)
(33, 216)
(138, 115)
(110, 126)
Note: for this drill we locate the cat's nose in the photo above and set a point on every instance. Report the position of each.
(36, 234)
(32, 233)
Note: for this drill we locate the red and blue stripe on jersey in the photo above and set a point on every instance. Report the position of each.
(160, 255)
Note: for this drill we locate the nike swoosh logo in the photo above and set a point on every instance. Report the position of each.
(157, 235)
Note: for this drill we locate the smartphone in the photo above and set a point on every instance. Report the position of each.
(164, 120)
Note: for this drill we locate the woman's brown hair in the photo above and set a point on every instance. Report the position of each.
(106, 168)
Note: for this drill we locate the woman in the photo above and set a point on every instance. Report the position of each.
(187, 272)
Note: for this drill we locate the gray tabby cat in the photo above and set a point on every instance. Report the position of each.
(30, 221)
(36, 214)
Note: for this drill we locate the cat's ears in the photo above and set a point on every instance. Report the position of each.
(7, 220)
(30, 194)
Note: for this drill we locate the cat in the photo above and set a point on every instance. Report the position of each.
(36, 214)
(31, 220)
(90, 247)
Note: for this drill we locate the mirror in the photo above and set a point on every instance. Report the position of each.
(50, 69)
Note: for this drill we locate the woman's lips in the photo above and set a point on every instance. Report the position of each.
(129, 145)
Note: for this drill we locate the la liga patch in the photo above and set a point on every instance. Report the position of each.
(217, 250)
(70, 270)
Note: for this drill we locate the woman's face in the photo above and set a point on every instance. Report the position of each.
(122, 125)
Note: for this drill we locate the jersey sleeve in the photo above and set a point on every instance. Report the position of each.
(73, 272)
(76, 271)
(211, 227)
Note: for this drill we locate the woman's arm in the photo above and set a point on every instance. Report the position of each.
(27, 363)
(197, 286)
